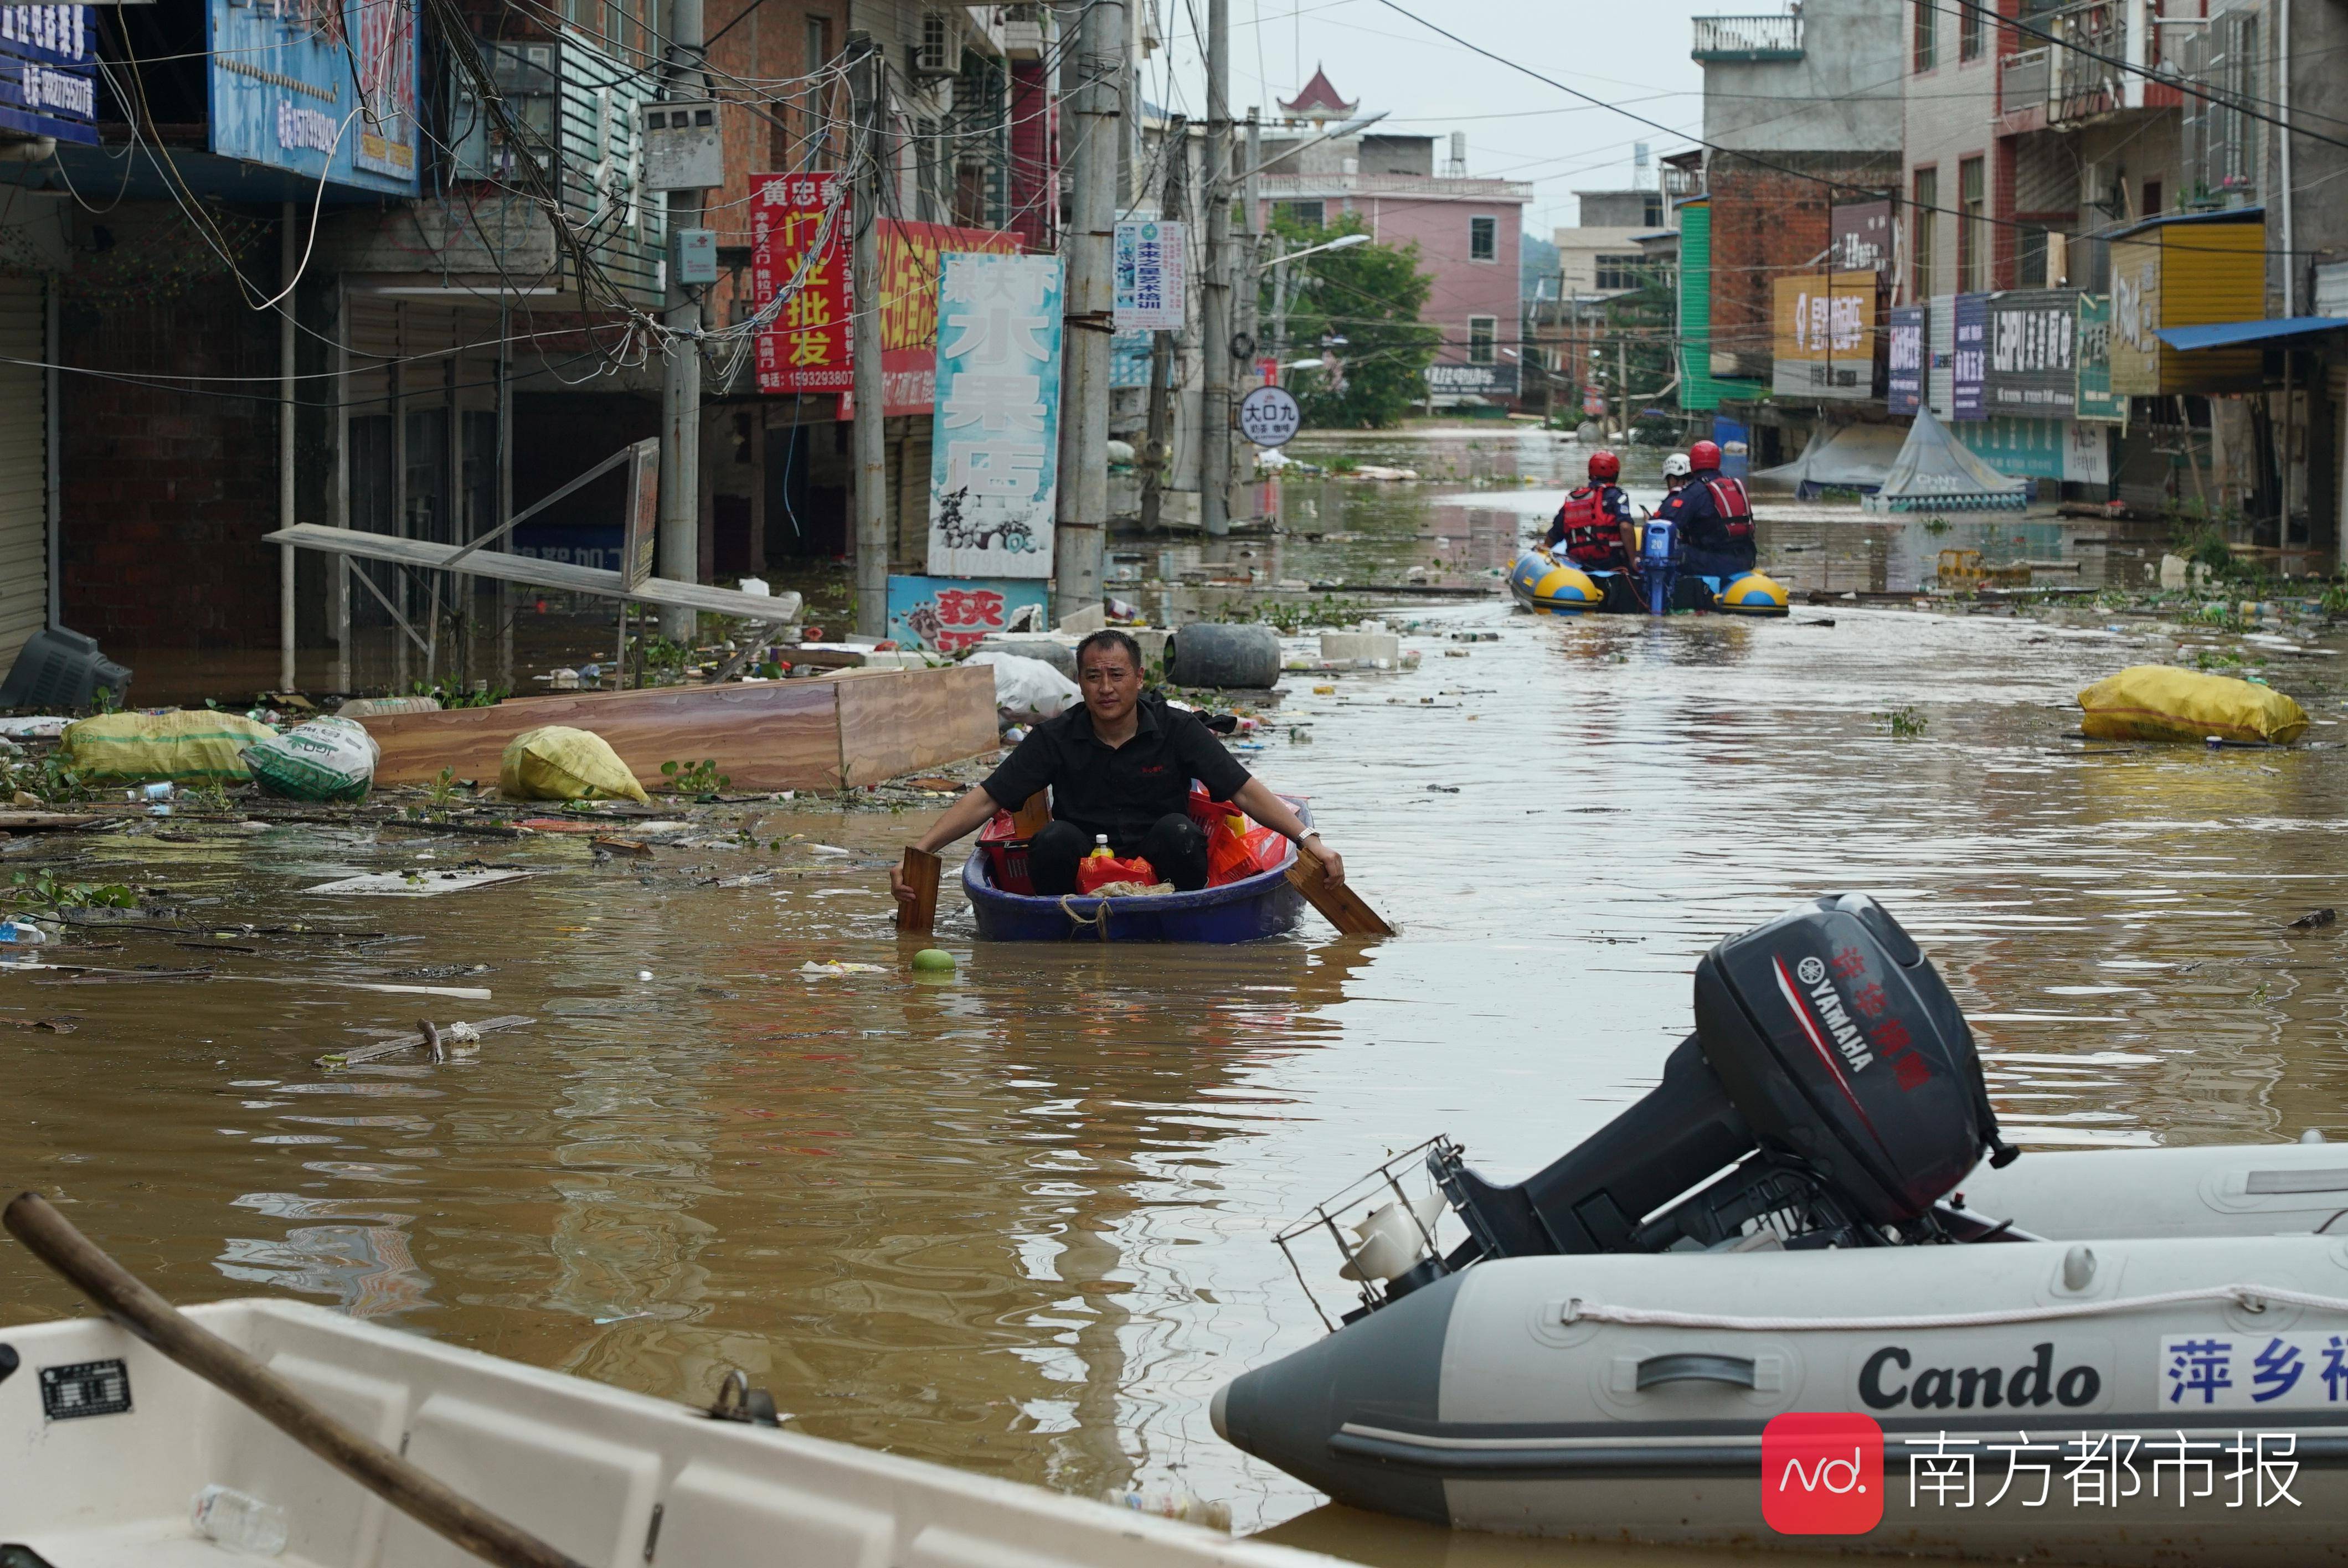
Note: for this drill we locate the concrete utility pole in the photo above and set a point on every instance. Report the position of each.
(1080, 520)
(680, 456)
(289, 260)
(871, 435)
(1215, 315)
(1161, 345)
(1243, 276)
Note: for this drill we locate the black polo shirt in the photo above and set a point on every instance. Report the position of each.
(1118, 790)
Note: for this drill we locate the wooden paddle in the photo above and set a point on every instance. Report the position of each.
(919, 871)
(1337, 900)
(473, 1528)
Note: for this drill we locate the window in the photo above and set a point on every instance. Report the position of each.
(1483, 239)
(2030, 260)
(1972, 229)
(2152, 194)
(1483, 333)
(1655, 210)
(1969, 29)
(1620, 271)
(1927, 43)
(1926, 232)
(1310, 214)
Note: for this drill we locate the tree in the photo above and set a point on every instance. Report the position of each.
(1370, 296)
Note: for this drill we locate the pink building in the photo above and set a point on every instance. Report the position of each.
(1466, 230)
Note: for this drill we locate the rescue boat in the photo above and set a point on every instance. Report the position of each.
(1787, 1286)
(1547, 586)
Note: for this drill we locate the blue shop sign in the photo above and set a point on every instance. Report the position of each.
(322, 89)
(49, 72)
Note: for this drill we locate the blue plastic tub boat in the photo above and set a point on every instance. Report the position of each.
(1264, 905)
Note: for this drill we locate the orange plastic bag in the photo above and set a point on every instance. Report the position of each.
(1098, 870)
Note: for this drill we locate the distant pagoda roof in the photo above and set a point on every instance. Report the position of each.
(1319, 100)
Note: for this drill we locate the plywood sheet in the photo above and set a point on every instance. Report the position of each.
(897, 721)
(770, 735)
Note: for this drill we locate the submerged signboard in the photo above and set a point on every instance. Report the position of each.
(48, 67)
(322, 88)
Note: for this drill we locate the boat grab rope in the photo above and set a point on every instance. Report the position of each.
(2248, 1298)
(1098, 918)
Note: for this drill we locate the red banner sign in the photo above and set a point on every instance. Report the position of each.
(807, 348)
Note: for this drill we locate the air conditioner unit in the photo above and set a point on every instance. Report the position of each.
(936, 55)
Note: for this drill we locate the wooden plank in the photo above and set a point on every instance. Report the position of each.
(919, 871)
(774, 734)
(894, 722)
(1343, 908)
(781, 609)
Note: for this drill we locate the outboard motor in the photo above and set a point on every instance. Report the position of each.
(1659, 559)
(1831, 1095)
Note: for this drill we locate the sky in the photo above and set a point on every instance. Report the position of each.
(1633, 55)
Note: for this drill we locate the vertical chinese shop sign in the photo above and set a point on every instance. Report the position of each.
(806, 348)
(994, 471)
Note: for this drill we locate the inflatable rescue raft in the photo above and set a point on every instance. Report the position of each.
(2128, 1355)
(1547, 586)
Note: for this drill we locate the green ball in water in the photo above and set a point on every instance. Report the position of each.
(935, 960)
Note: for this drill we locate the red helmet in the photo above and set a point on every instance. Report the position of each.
(1704, 454)
(1604, 465)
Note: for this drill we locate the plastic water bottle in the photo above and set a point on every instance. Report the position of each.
(22, 933)
(239, 1520)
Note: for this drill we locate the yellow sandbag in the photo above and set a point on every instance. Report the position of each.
(2161, 703)
(193, 745)
(555, 762)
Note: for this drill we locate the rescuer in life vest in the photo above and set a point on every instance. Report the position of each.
(1715, 518)
(1593, 523)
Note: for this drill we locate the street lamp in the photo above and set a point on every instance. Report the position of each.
(1349, 127)
(1342, 242)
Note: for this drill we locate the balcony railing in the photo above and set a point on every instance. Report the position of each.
(2065, 77)
(2023, 80)
(1747, 39)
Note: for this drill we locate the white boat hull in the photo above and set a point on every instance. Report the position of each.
(615, 1478)
(1513, 1397)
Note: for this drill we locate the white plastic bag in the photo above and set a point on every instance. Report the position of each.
(327, 759)
(1028, 689)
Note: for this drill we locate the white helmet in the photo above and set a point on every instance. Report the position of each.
(1676, 467)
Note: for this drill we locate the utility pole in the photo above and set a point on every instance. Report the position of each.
(1080, 520)
(1215, 416)
(288, 261)
(868, 84)
(1622, 385)
(680, 458)
(1243, 276)
(1161, 346)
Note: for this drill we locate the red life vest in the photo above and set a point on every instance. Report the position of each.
(1730, 505)
(1592, 538)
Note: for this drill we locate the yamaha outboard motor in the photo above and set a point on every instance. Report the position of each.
(1659, 553)
(1829, 1096)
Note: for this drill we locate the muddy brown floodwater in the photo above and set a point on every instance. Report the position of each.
(1019, 1220)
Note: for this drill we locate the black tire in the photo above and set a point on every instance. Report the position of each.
(1208, 654)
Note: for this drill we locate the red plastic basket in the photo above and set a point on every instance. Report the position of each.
(1006, 856)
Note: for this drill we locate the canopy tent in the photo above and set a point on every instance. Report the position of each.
(1936, 474)
(1852, 457)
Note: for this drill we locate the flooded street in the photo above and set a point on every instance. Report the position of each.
(1019, 1220)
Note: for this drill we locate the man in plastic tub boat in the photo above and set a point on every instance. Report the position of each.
(1118, 767)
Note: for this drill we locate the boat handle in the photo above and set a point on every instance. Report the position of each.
(1695, 1368)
